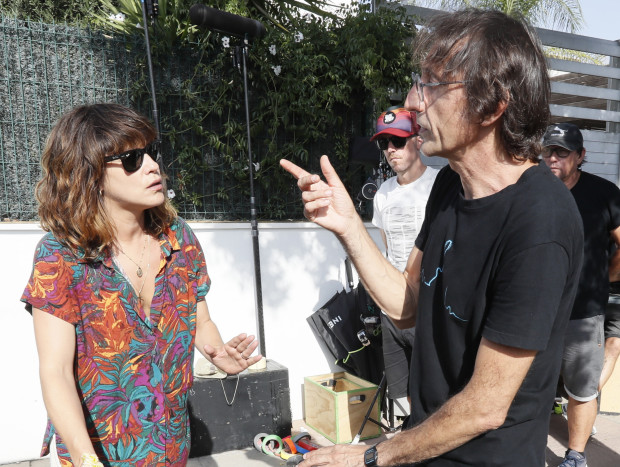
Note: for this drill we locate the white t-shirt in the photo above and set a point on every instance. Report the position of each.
(399, 212)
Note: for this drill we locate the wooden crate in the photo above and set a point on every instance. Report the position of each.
(336, 404)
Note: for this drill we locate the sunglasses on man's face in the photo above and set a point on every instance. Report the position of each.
(397, 141)
(560, 152)
(132, 160)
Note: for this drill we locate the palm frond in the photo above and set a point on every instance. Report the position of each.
(565, 15)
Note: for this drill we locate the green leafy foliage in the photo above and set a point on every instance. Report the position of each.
(313, 82)
(311, 90)
(169, 28)
(50, 11)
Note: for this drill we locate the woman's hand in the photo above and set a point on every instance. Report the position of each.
(234, 356)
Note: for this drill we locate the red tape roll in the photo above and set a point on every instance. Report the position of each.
(306, 443)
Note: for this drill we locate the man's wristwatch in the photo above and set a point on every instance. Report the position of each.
(370, 457)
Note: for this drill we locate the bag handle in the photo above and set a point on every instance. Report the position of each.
(349, 271)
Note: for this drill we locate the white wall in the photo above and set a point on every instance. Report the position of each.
(602, 150)
(22, 415)
(301, 268)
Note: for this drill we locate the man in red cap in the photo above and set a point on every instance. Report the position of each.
(399, 207)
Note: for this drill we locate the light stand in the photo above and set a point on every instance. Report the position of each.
(234, 25)
(153, 9)
(253, 222)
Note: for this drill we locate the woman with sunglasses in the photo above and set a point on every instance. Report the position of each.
(117, 295)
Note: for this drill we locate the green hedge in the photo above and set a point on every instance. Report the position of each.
(314, 84)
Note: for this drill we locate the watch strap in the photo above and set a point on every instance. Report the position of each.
(370, 456)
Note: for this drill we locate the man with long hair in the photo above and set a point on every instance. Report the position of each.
(491, 280)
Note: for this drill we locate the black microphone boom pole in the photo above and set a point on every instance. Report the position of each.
(227, 23)
(253, 222)
(153, 11)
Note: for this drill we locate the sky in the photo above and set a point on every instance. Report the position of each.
(601, 18)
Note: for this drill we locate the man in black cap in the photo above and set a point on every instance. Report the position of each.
(598, 201)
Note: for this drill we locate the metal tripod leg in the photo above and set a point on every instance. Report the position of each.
(367, 417)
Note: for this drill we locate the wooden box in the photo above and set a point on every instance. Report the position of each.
(336, 404)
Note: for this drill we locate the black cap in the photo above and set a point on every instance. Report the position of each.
(565, 135)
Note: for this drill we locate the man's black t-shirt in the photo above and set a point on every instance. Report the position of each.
(504, 267)
(598, 201)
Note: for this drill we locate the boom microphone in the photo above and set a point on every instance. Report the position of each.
(222, 21)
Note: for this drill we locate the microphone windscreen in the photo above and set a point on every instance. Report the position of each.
(222, 21)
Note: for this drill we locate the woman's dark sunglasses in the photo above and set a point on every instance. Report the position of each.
(132, 160)
(397, 141)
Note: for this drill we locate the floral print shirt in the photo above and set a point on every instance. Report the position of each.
(133, 373)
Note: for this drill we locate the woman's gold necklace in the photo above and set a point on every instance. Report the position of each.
(139, 271)
(148, 266)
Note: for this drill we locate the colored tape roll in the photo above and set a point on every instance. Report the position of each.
(288, 442)
(286, 455)
(272, 451)
(299, 436)
(307, 444)
(300, 450)
(294, 460)
(258, 441)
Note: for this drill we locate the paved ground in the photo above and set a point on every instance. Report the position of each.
(603, 450)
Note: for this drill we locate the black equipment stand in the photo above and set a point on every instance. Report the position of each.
(367, 418)
(253, 222)
(151, 7)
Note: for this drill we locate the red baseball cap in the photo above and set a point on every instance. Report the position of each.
(397, 122)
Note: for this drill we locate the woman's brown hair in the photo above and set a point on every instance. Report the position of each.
(73, 168)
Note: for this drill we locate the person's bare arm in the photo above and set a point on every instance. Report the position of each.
(328, 204)
(614, 262)
(56, 348)
(481, 406)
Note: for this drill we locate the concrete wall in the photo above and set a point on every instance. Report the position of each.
(302, 267)
(602, 149)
